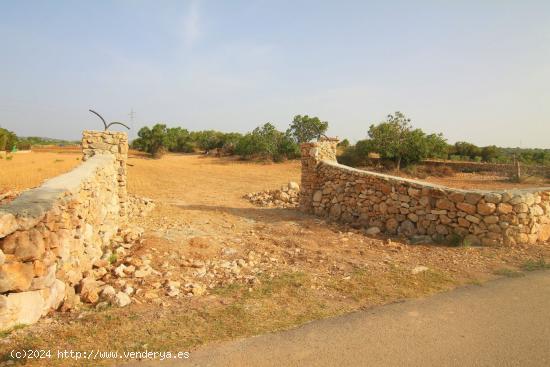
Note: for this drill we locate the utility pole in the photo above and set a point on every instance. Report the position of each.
(132, 114)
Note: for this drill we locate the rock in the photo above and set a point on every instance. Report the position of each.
(129, 290)
(391, 225)
(143, 272)
(172, 289)
(89, 290)
(491, 219)
(372, 231)
(407, 228)
(317, 196)
(198, 289)
(505, 208)
(16, 276)
(25, 245)
(445, 204)
(472, 198)
(419, 269)
(122, 299)
(521, 208)
(119, 271)
(108, 293)
(23, 308)
(228, 251)
(293, 186)
(8, 224)
(486, 208)
(457, 197)
(493, 198)
(2, 258)
(467, 208)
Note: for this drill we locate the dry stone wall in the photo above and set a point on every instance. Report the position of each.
(51, 236)
(383, 203)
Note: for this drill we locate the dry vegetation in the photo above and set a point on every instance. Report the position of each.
(310, 269)
(29, 169)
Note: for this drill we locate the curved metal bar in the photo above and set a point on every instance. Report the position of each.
(117, 123)
(102, 119)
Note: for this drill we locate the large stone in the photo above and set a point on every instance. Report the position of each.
(491, 219)
(493, 197)
(457, 197)
(486, 208)
(293, 186)
(407, 228)
(8, 224)
(521, 208)
(122, 299)
(372, 231)
(89, 290)
(467, 208)
(505, 208)
(16, 276)
(23, 308)
(335, 212)
(445, 204)
(30, 246)
(318, 196)
(472, 198)
(391, 225)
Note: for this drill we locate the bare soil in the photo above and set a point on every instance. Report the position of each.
(306, 268)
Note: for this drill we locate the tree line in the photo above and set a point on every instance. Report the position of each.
(397, 141)
(264, 142)
(9, 141)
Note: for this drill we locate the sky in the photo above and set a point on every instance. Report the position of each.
(475, 71)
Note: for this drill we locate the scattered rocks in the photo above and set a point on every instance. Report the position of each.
(286, 197)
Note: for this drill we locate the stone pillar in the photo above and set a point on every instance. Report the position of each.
(110, 142)
(312, 154)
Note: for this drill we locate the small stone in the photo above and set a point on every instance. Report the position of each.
(372, 231)
(108, 292)
(122, 299)
(419, 269)
(119, 271)
(293, 186)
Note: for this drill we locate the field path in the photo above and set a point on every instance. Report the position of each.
(502, 323)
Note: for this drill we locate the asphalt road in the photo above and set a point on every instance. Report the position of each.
(501, 323)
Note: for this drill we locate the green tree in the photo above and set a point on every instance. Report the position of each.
(344, 143)
(395, 139)
(392, 138)
(305, 128)
(267, 142)
(178, 140)
(489, 153)
(153, 141)
(8, 140)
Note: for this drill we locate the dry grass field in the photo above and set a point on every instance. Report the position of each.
(27, 170)
(308, 269)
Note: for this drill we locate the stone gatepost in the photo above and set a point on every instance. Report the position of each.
(312, 154)
(110, 142)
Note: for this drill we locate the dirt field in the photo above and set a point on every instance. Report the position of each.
(296, 267)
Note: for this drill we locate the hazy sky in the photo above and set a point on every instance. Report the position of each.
(474, 70)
